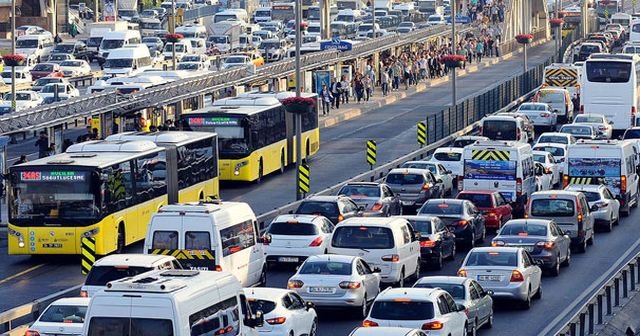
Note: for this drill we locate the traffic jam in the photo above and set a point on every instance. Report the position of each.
(510, 203)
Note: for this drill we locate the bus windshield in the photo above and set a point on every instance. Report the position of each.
(231, 134)
(44, 195)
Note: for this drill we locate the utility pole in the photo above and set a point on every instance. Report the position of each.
(173, 31)
(298, 116)
(373, 15)
(453, 52)
(13, 52)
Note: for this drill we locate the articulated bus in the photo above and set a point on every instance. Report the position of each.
(610, 87)
(102, 189)
(256, 135)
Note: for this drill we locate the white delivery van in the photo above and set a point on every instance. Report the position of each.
(127, 61)
(505, 166)
(220, 236)
(172, 303)
(608, 162)
(38, 45)
(117, 39)
(182, 48)
(192, 31)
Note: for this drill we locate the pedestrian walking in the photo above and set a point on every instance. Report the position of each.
(43, 144)
(384, 82)
(336, 90)
(326, 97)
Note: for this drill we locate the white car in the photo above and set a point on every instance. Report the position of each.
(235, 61)
(387, 331)
(603, 205)
(62, 317)
(22, 76)
(450, 158)
(544, 178)
(285, 312)
(332, 280)
(293, 238)
(439, 171)
(556, 137)
(195, 58)
(65, 90)
(540, 115)
(25, 99)
(550, 165)
(598, 121)
(559, 152)
(75, 68)
(435, 20)
(192, 66)
(432, 310)
(510, 272)
(406, 27)
(467, 140)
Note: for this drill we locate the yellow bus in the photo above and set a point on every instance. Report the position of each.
(102, 189)
(256, 135)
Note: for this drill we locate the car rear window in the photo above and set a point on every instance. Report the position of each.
(399, 178)
(265, 306)
(421, 225)
(521, 229)
(456, 291)
(101, 275)
(588, 119)
(292, 229)
(552, 207)
(509, 259)
(440, 208)
(124, 326)
(539, 158)
(449, 156)
(499, 129)
(554, 139)
(480, 200)
(355, 191)
(167, 240)
(402, 310)
(326, 267)
(362, 237)
(64, 314)
(420, 165)
(327, 209)
(591, 196)
(555, 151)
(464, 142)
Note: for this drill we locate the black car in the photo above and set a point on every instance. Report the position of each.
(437, 240)
(462, 216)
(78, 49)
(336, 208)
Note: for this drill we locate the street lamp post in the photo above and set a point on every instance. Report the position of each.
(297, 116)
(13, 52)
(173, 31)
(453, 52)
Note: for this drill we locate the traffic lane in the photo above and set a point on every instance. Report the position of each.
(28, 146)
(342, 154)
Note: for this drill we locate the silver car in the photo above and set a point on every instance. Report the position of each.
(605, 209)
(467, 292)
(510, 272)
(597, 121)
(439, 171)
(337, 281)
(376, 199)
(540, 115)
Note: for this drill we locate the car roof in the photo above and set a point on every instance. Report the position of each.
(539, 152)
(556, 134)
(382, 331)
(407, 171)
(447, 200)
(495, 249)
(296, 217)
(372, 221)
(72, 301)
(332, 257)
(423, 217)
(551, 144)
(272, 294)
(449, 149)
(529, 221)
(133, 259)
(443, 279)
(590, 115)
(472, 137)
(368, 184)
(323, 198)
(584, 187)
(555, 193)
(427, 294)
(484, 192)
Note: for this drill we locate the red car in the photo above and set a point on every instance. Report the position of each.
(45, 69)
(495, 209)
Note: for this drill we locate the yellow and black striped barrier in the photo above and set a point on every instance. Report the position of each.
(371, 152)
(561, 77)
(490, 155)
(580, 180)
(304, 178)
(193, 259)
(88, 249)
(422, 133)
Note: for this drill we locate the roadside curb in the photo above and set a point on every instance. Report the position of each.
(393, 97)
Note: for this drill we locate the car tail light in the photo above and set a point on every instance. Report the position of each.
(265, 239)
(545, 115)
(84, 293)
(218, 268)
(565, 181)
(601, 205)
(518, 187)
(491, 214)
(516, 276)
(367, 323)
(547, 170)
(226, 330)
(295, 284)
(462, 273)
(377, 207)
(427, 243)
(391, 257)
(435, 325)
(31, 333)
(340, 218)
(349, 285)
(623, 184)
(462, 223)
(277, 320)
(425, 187)
(602, 128)
(546, 244)
(316, 242)
(497, 243)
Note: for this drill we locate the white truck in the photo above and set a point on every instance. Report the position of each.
(127, 9)
(225, 35)
(383, 5)
(97, 30)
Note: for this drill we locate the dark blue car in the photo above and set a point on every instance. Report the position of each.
(462, 19)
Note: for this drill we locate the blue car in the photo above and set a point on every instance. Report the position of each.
(459, 19)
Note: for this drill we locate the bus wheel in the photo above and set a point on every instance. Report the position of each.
(201, 197)
(121, 239)
(260, 171)
(282, 163)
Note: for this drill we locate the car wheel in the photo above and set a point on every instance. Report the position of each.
(592, 239)
(263, 277)
(471, 330)
(472, 242)
(526, 304)
(416, 275)
(314, 328)
(583, 247)
(400, 282)
(452, 256)
(609, 227)
(489, 323)
(567, 260)
(260, 172)
(538, 294)
(363, 310)
(121, 239)
(484, 234)
(438, 264)
(555, 270)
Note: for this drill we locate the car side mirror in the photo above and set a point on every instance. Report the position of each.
(377, 270)
(594, 208)
(489, 292)
(448, 172)
(418, 235)
(539, 262)
(309, 305)
(265, 239)
(610, 122)
(460, 308)
(361, 208)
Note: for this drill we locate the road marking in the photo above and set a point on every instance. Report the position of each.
(30, 269)
(589, 292)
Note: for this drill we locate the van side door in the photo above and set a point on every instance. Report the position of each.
(408, 249)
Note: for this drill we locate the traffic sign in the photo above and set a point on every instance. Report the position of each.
(88, 250)
(304, 174)
(371, 152)
(422, 133)
(336, 44)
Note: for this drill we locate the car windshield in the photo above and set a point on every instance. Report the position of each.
(119, 326)
(218, 39)
(235, 60)
(523, 229)
(64, 314)
(588, 119)
(46, 80)
(127, 12)
(43, 67)
(591, 196)
(27, 43)
(151, 40)
(441, 208)
(434, 19)
(19, 96)
(190, 58)
(360, 191)
(58, 57)
(480, 200)
(269, 45)
(101, 275)
(421, 225)
(404, 178)
(456, 291)
(461, 143)
(363, 237)
(421, 165)
(555, 151)
(552, 207)
(111, 44)
(179, 47)
(188, 66)
(64, 48)
(576, 130)
(608, 71)
(477, 258)
(406, 24)
(51, 88)
(118, 63)
(402, 310)
(556, 139)
(292, 228)
(326, 268)
(327, 209)
(94, 41)
(264, 306)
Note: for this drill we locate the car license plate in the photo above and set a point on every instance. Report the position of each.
(52, 245)
(406, 203)
(288, 259)
(323, 290)
(488, 278)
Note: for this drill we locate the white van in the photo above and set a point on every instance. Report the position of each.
(127, 61)
(198, 45)
(172, 303)
(236, 14)
(507, 167)
(388, 243)
(118, 266)
(117, 39)
(224, 234)
(608, 162)
(182, 48)
(38, 45)
(504, 127)
(192, 31)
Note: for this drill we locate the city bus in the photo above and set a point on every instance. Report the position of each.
(606, 8)
(610, 87)
(256, 135)
(283, 11)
